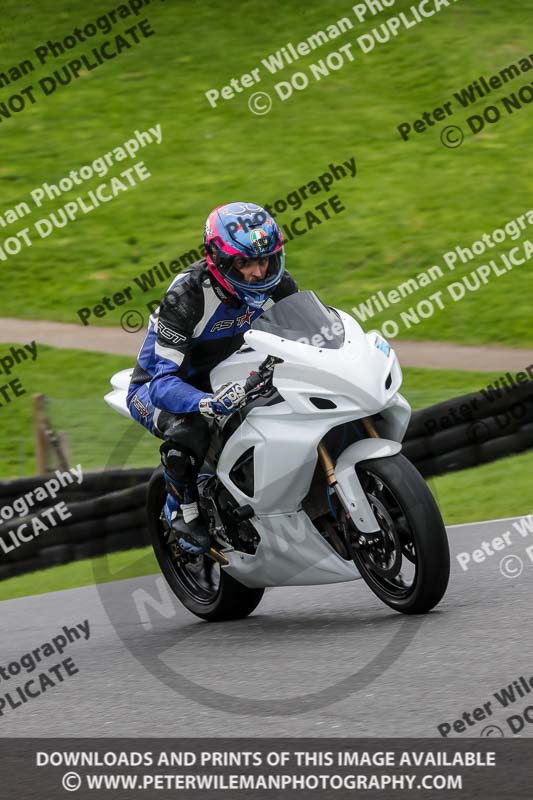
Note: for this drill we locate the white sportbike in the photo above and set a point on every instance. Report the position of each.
(305, 483)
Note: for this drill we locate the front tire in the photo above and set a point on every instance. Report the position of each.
(412, 535)
(202, 586)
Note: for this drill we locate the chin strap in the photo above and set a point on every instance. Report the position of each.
(253, 302)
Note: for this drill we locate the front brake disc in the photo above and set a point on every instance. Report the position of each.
(385, 557)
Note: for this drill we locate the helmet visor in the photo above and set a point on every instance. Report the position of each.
(257, 273)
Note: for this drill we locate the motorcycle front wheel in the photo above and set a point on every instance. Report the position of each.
(200, 583)
(407, 565)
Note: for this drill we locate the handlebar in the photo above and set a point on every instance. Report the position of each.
(258, 378)
(263, 374)
(252, 382)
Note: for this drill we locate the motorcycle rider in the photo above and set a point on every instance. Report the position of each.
(199, 323)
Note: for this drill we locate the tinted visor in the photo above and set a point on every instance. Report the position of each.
(230, 268)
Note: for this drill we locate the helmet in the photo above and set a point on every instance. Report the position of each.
(243, 230)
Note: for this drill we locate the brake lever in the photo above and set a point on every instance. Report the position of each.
(264, 373)
(255, 384)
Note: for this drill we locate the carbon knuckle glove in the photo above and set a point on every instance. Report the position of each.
(231, 395)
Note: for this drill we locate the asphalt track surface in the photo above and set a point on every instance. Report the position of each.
(263, 676)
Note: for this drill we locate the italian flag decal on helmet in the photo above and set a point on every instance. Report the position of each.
(259, 240)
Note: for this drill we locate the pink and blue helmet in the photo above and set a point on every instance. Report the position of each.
(243, 230)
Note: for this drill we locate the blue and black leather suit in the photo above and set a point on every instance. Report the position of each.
(196, 326)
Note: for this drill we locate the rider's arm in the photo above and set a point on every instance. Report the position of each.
(179, 312)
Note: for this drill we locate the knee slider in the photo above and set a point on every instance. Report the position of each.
(179, 463)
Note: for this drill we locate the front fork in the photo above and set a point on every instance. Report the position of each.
(342, 478)
(370, 428)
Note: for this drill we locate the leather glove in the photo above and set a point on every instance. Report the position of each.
(224, 402)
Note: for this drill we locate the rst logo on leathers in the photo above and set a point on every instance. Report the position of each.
(139, 405)
(168, 333)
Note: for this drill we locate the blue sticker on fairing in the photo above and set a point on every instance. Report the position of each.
(383, 346)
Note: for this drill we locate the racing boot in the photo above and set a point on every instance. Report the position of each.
(183, 517)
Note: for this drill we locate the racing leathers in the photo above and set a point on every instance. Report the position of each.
(196, 326)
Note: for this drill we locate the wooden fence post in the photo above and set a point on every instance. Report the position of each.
(47, 442)
(39, 436)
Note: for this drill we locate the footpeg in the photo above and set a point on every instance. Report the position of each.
(242, 513)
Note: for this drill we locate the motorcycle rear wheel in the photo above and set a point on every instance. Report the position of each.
(413, 534)
(198, 582)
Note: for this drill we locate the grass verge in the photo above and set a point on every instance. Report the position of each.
(123, 565)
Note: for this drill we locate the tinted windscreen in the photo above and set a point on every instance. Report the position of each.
(303, 317)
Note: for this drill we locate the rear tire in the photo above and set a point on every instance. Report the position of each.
(208, 599)
(405, 501)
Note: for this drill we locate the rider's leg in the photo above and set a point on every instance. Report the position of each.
(182, 454)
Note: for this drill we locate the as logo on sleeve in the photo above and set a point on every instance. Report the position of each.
(222, 324)
(168, 333)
